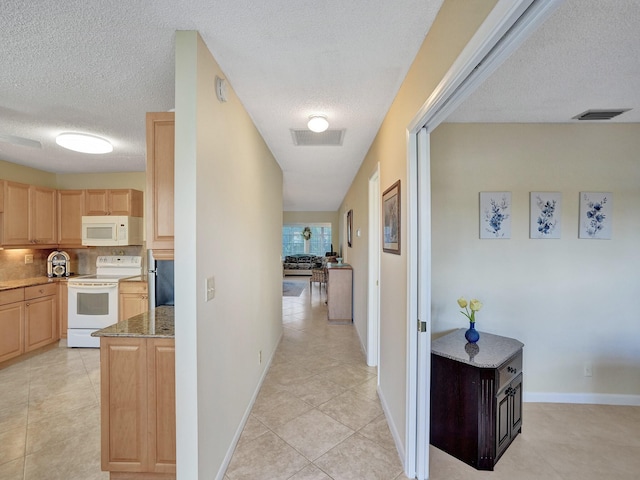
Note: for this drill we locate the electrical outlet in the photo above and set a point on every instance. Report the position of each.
(260, 357)
(28, 258)
(588, 370)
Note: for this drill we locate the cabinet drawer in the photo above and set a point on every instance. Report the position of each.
(509, 370)
(133, 287)
(11, 296)
(43, 290)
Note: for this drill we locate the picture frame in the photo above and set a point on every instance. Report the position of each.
(495, 215)
(545, 219)
(391, 224)
(349, 228)
(596, 215)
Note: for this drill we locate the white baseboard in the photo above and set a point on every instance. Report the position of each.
(586, 398)
(245, 417)
(392, 428)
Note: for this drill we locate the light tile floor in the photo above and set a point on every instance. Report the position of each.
(50, 416)
(317, 417)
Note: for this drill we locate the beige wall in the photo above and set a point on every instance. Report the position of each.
(228, 193)
(571, 301)
(21, 174)
(71, 181)
(455, 24)
(317, 217)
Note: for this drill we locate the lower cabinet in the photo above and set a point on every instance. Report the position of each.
(63, 307)
(340, 294)
(11, 324)
(28, 319)
(41, 316)
(138, 426)
(475, 412)
(133, 300)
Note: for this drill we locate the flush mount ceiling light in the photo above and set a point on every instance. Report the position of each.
(318, 123)
(84, 143)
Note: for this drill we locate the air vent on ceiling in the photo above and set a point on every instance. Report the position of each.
(308, 138)
(600, 114)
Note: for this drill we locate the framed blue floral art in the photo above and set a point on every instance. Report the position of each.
(545, 218)
(596, 212)
(495, 215)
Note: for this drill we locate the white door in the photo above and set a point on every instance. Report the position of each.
(423, 287)
(373, 299)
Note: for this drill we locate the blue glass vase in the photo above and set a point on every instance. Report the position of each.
(472, 334)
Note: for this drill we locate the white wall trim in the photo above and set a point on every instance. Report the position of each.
(392, 426)
(245, 417)
(582, 398)
(507, 26)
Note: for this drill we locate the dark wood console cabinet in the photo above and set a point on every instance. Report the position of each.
(476, 396)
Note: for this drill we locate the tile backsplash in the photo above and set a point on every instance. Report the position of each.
(83, 260)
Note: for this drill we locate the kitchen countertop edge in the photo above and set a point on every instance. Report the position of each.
(157, 323)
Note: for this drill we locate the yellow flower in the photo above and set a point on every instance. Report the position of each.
(475, 305)
(470, 308)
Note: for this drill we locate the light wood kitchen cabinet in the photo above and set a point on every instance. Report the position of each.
(340, 293)
(41, 316)
(138, 406)
(11, 323)
(160, 183)
(134, 299)
(30, 216)
(63, 308)
(114, 202)
(71, 205)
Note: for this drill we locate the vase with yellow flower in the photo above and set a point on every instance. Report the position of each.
(470, 309)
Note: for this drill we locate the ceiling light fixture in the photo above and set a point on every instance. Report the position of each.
(318, 123)
(84, 143)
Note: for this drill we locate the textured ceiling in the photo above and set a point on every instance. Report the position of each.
(97, 66)
(585, 56)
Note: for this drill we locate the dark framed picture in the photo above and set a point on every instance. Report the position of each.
(391, 219)
(349, 227)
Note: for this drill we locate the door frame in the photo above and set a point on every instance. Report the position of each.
(508, 25)
(373, 297)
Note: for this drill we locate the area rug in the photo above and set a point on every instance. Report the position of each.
(292, 289)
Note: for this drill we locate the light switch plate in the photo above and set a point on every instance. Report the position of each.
(210, 286)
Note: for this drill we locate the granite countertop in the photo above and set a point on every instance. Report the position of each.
(157, 323)
(338, 265)
(28, 282)
(491, 351)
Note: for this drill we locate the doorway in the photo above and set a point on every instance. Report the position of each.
(373, 297)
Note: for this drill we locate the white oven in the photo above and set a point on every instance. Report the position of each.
(92, 306)
(93, 299)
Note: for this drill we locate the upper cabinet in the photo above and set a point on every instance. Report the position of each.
(114, 202)
(70, 211)
(160, 183)
(30, 215)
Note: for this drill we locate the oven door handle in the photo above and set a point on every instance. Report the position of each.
(83, 286)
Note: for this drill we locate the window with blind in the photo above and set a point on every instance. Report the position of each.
(293, 241)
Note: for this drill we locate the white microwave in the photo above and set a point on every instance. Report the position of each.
(108, 230)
